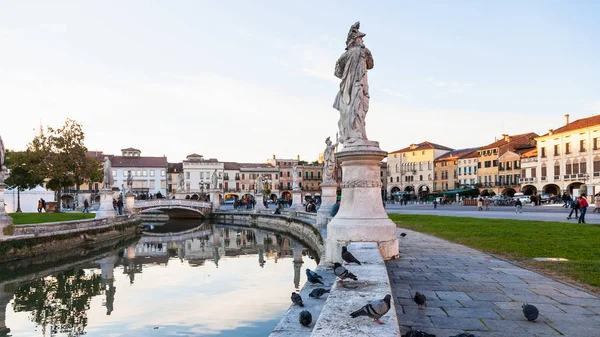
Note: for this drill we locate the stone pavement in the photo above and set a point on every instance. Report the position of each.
(468, 290)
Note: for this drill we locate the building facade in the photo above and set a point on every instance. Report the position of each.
(446, 167)
(467, 169)
(149, 173)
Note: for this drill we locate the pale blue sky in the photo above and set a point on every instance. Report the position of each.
(242, 80)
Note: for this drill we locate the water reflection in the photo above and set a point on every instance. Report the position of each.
(211, 280)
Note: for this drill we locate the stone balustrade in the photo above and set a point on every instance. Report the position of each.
(172, 202)
(65, 227)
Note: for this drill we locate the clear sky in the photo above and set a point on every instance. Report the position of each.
(243, 80)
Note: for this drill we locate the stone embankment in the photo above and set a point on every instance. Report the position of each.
(36, 240)
(331, 313)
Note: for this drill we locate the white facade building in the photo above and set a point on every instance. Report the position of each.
(149, 173)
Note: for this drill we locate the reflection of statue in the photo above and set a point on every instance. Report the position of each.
(259, 184)
(329, 161)
(180, 181)
(214, 180)
(352, 101)
(108, 175)
(295, 185)
(129, 182)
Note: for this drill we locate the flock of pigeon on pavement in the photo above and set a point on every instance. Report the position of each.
(375, 309)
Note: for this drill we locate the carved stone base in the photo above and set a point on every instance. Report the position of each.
(328, 199)
(214, 199)
(297, 201)
(5, 220)
(259, 202)
(361, 217)
(130, 204)
(106, 209)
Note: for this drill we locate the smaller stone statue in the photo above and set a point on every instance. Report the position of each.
(329, 160)
(108, 175)
(2, 161)
(295, 185)
(180, 181)
(129, 182)
(259, 184)
(214, 180)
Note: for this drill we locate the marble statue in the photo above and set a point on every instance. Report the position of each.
(2, 161)
(214, 180)
(329, 160)
(295, 185)
(129, 182)
(352, 100)
(108, 175)
(259, 184)
(180, 181)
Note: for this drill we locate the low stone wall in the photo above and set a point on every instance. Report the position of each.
(65, 227)
(297, 228)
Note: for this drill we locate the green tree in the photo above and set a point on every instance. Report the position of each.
(65, 157)
(26, 172)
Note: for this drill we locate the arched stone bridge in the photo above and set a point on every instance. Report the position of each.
(175, 208)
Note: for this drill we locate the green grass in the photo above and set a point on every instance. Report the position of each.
(520, 241)
(36, 218)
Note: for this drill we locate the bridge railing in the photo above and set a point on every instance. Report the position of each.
(172, 202)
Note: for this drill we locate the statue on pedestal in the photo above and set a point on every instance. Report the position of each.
(180, 182)
(214, 180)
(259, 184)
(329, 160)
(352, 100)
(2, 160)
(295, 185)
(129, 182)
(108, 175)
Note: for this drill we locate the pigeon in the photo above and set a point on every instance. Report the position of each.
(305, 318)
(464, 334)
(348, 257)
(343, 273)
(375, 309)
(530, 312)
(297, 299)
(420, 299)
(317, 293)
(417, 333)
(402, 235)
(313, 277)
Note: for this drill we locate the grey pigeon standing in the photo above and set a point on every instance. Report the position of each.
(313, 277)
(348, 257)
(375, 309)
(420, 299)
(317, 293)
(297, 299)
(530, 312)
(464, 334)
(402, 235)
(343, 273)
(417, 333)
(305, 318)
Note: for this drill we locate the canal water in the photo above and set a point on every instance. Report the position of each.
(209, 280)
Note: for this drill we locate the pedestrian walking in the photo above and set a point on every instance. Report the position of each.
(435, 203)
(86, 206)
(120, 206)
(487, 203)
(574, 208)
(597, 203)
(480, 203)
(39, 206)
(518, 206)
(583, 205)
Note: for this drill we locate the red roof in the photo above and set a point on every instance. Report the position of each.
(121, 161)
(423, 146)
(511, 141)
(454, 154)
(578, 124)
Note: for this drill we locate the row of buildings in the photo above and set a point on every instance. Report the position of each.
(557, 162)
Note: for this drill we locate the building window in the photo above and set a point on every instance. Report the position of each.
(421, 177)
(139, 173)
(582, 147)
(595, 140)
(567, 148)
(187, 175)
(583, 166)
(144, 173)
(162, 173)
(543, 152)
(152, 173)
(556, 150)
(114, 173)
(569, 168)
(392, 179)
(544, 171)
(596, 164)
(243, 176)
(556, 169)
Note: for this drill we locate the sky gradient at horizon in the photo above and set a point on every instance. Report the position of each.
(241, 81)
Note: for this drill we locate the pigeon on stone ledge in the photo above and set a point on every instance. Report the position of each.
(348, 257)
(530, 312)
(464, 334)
(417, 333)
(313, 277)
(402, 235)
(375, 309)
(317, 293)
(305, 318)
(297, 299)
(420, 299)
(343, 273)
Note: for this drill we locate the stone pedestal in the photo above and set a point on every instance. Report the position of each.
(361, 217)
(130, 204)
(328, 199)
(5, 298)
(297, 201)
(5, 220)
(106, 209)
(214, 199)
(259, 202)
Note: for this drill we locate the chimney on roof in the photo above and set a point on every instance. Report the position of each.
(566, 119)
(298, 157)
(506, 138)
(273, 156)
(550, 131)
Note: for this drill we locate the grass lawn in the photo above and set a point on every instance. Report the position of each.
(33, 218)
(520, 241)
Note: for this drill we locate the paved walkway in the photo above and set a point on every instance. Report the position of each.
(468, 290)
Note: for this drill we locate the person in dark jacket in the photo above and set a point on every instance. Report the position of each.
(120, 206)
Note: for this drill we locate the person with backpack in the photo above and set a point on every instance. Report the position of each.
(518, 206)
(574, 208)
(583, 204)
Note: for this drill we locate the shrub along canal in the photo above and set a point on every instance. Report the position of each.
(182, 279)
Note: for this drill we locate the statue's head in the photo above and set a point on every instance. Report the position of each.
(106, 159)
(354, 36)
(328, 141)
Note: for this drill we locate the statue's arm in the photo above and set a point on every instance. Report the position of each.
(339, 66)
(369, 58)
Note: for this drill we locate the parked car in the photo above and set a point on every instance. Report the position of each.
(229, 201)
(524, 199)
(546, 197)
